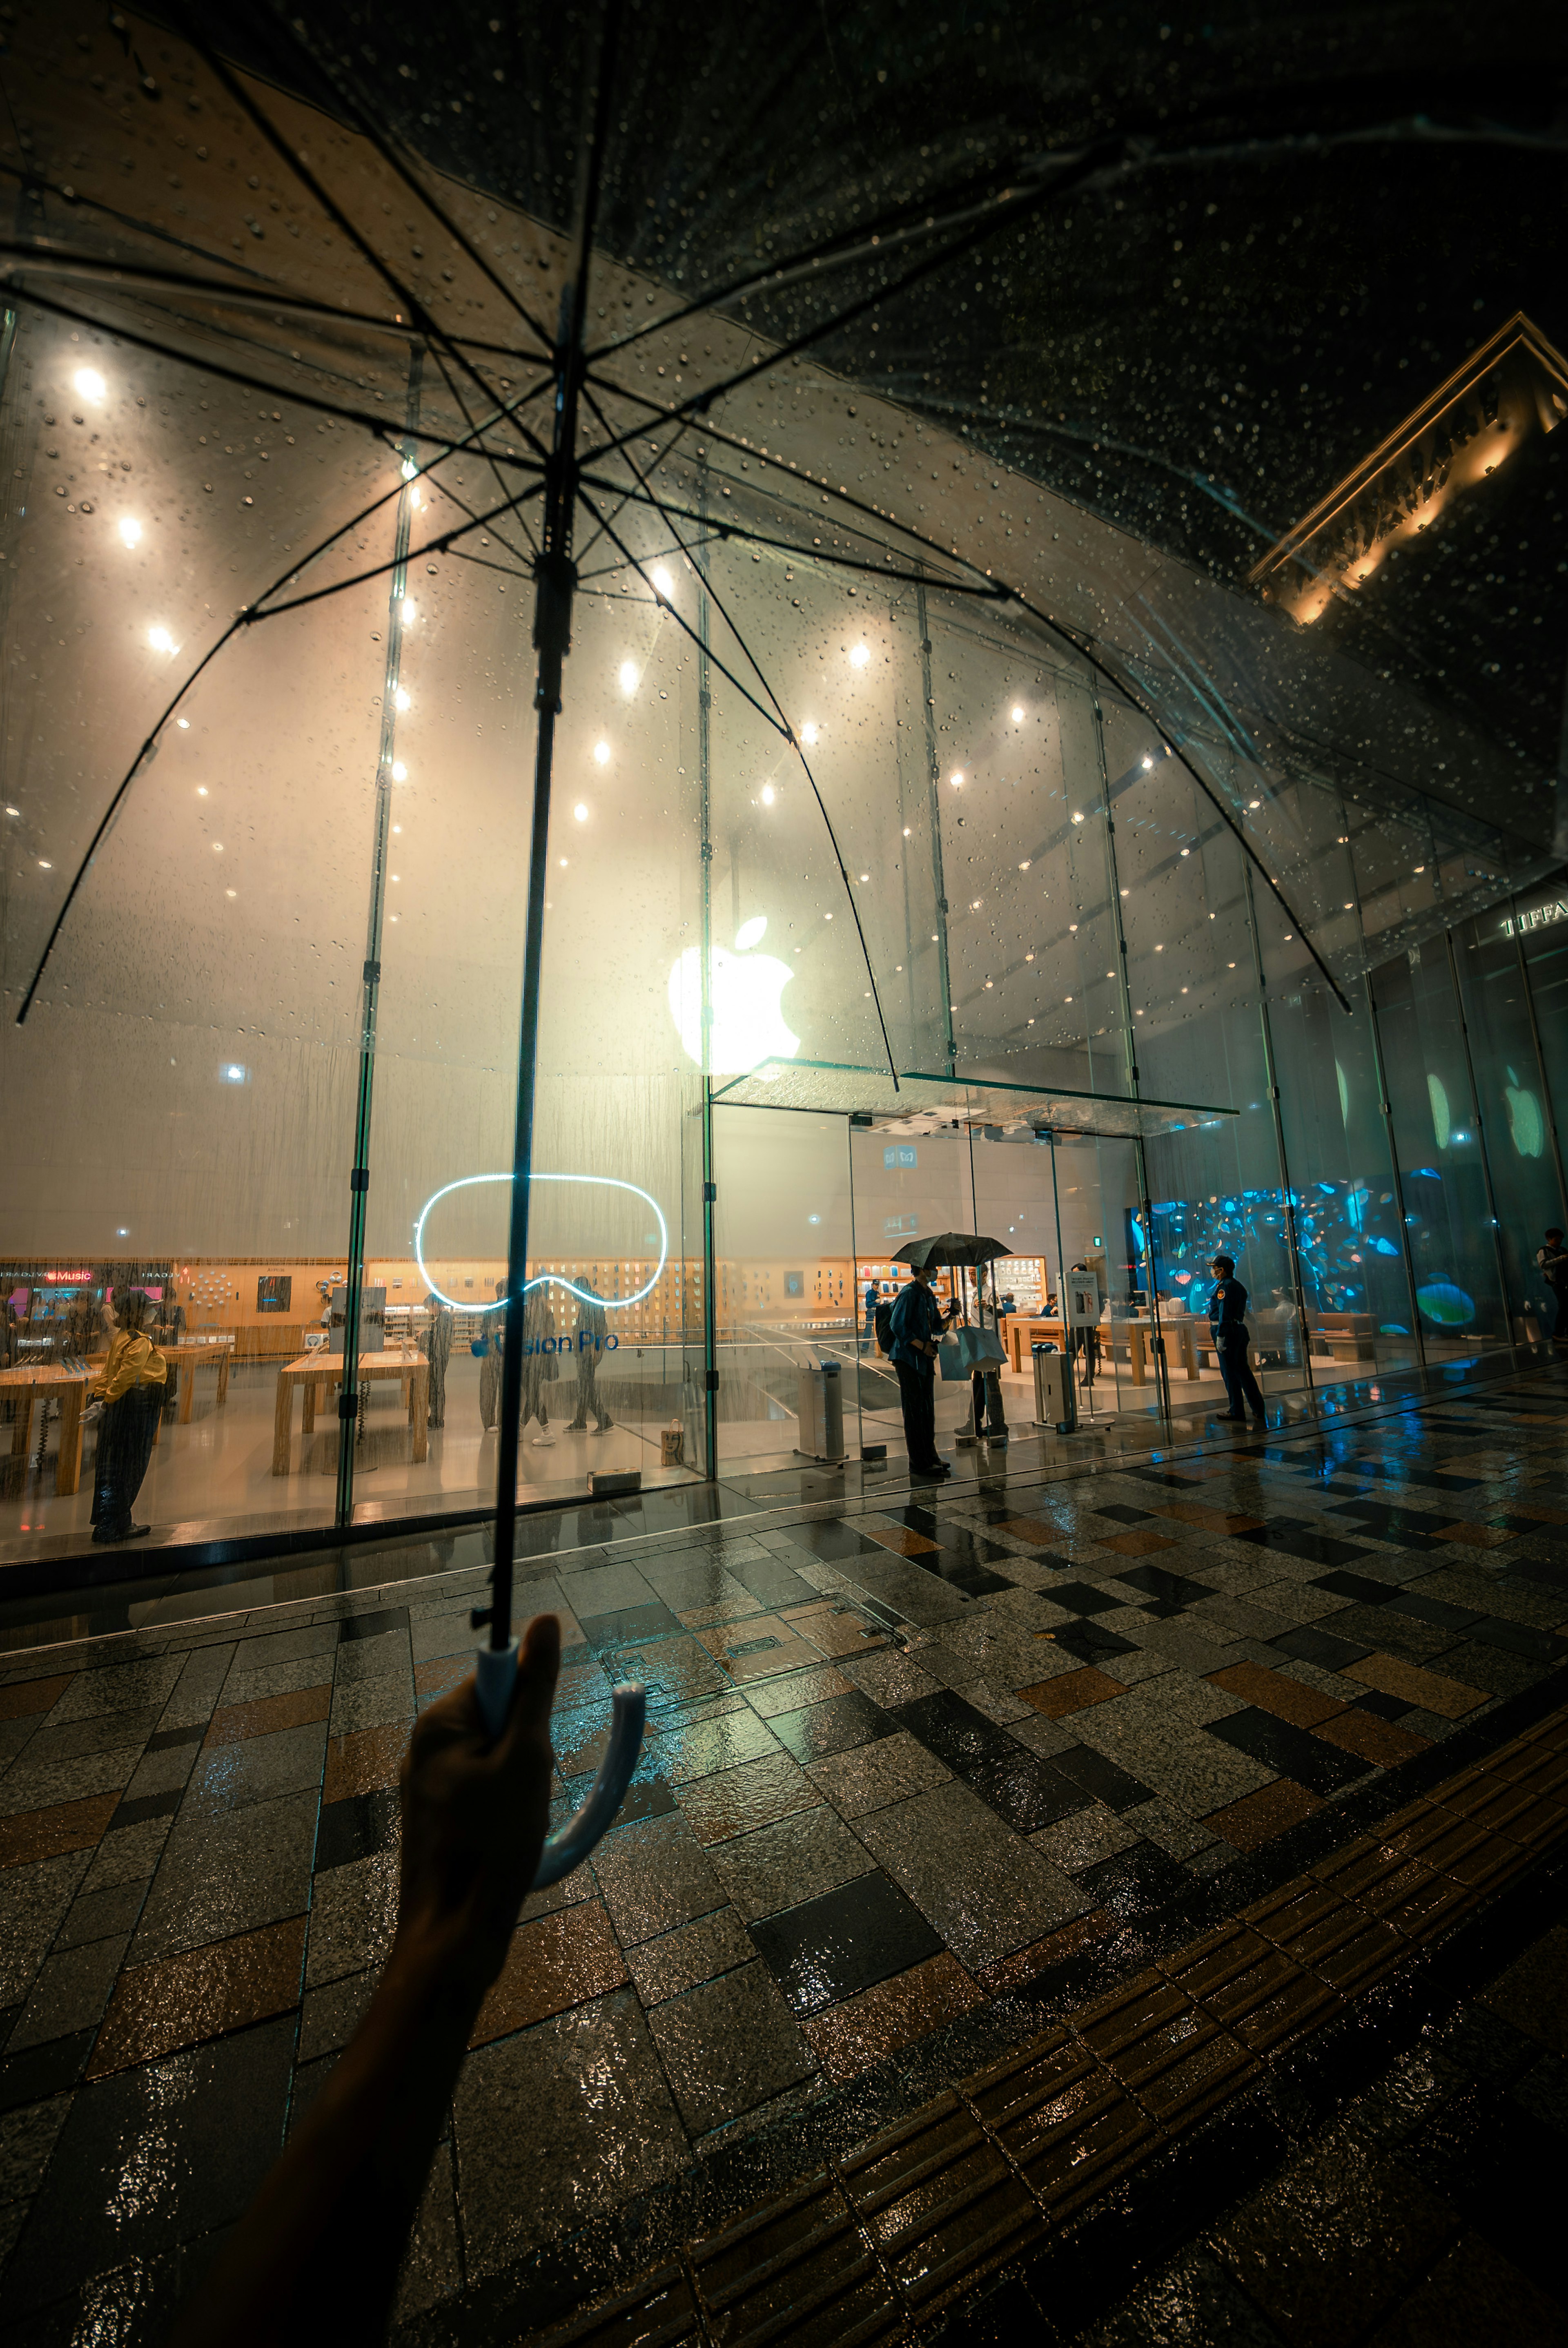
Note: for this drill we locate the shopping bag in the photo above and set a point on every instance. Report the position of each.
(950, 1359)
(981, 1349)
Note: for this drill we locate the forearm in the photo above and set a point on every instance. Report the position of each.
(317, 2253)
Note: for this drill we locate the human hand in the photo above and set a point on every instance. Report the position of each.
(474, 1817)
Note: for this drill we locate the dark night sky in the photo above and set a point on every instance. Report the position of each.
(1263, 315)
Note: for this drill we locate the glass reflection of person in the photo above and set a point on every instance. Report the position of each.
(435, 1343)
(130, 1387)
(591, 1327)
(539, 1361)
(490, 1361)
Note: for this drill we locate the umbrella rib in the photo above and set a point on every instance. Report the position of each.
(626, 495)
(433, 330)
(262, 292)
(872, 239)
(1079, 645)
(839, 495)
(381, 426)
(462, 406)
(442, 545)
(1089, 161)
(789, 734)
(991, 590)
(390, 157)
(686, 628)
(241, 620)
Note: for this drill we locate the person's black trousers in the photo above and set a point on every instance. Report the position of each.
(989, 1415)
(1241, 1387)
(1560, 1298)
(918, 1394)
(125, 1446)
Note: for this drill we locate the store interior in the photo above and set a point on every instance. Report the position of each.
(997, 913)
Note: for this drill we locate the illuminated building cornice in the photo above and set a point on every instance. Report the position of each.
(1511, 389)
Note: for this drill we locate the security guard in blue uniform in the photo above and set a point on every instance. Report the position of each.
(1227, 1327)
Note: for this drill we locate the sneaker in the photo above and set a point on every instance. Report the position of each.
(1231, 1418)
(540, 1439)
(608, 1428)
(106, 1534)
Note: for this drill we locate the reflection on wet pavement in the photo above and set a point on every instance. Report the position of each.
(918, 1778)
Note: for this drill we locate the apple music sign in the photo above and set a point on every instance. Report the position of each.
(744, 987)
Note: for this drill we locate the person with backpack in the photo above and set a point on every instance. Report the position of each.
(130, 1386)
(1552, 1262)
(915, 1327)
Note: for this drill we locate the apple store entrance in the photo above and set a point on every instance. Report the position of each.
(816, 1211)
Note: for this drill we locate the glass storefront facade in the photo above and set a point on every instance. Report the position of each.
(915, 924)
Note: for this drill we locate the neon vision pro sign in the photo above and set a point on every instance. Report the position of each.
(545, 1279)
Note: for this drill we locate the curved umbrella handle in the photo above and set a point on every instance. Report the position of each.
(495, 1670)
(571, 1844)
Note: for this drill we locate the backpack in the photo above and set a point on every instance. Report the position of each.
(885, 1328)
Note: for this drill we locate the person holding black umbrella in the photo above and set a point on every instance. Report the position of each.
(918, 1322)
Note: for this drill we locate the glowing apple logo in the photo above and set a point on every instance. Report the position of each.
(747, 1025)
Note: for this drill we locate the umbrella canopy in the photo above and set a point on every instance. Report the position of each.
(951, 1250)
(717, 443)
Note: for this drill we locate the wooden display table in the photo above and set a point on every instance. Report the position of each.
(324, 1369)
(71, 1385)
(184, 1360)
(1177, 1332)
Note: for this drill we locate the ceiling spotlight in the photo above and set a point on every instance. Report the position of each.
(161, 641)
(1147, 764)
(907, 833)
(130, 532)
(1017, 713)
(580, 812)
(1078, 818)
(410, 470)
(1025, 865)
(767, 795)
(808, 736)
(403, 697)
(399, 771)
(859, 656)
(88, 383)
(957, 781)
(663, 580)
(601, 753)
(183, 723)
(410, 612)
(627, 677)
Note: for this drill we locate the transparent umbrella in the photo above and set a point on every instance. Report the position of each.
(931, 213)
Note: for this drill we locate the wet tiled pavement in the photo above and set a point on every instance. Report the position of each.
(914, 1778)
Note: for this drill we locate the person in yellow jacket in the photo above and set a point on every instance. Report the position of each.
(131, 1386)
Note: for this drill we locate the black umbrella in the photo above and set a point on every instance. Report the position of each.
(950, 1250)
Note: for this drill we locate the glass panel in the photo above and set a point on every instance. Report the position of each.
(1452, 1237)
(1514, 1109)
(784, 1280)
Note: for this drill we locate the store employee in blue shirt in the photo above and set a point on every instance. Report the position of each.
(1227, 1327)
(918, 1322)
